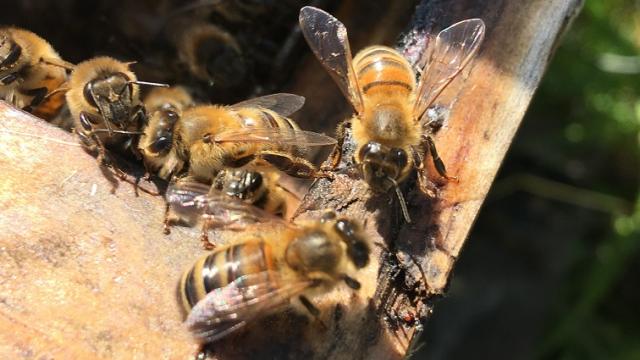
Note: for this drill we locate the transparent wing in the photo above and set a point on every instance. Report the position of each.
(327, 38)
(184, 196)
(280, 136)
(228, 309)
(191, 199)
(452, 50)
(282, 103)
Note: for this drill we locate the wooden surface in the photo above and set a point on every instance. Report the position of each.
(87, 272)
(84, 273)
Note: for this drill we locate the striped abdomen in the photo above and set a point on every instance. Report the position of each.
(222, 267)
(263, 118)
(382, 70)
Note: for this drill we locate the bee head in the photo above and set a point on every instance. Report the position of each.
(112, 95)
(161, 138)
(382, 167)
(243, 184)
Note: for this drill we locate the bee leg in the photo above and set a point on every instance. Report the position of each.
(37, 97)
(336, 155)
(139, 118)
(312, 309)
(207, 244)
(424, 184)
(437, 161)
(8, 79)
(238, 161)
(94, 145)
(293, 165)
(167, 220)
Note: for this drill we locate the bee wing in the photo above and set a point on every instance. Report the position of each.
(275, 135)
(185, 196)
(223, 210)
(327, 38)
(191, 199)
(228, 309)
(282, 103)
(454, 47)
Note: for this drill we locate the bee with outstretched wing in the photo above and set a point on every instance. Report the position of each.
(266, 268)
(235, 200)
(388, 126)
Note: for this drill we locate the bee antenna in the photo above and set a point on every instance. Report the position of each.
(110, 131)
(147, 83)
(403, 204)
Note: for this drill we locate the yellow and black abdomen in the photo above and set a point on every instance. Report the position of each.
(268, 119)
(382, 70)
(222, 267)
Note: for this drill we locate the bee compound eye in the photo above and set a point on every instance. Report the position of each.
(161, 145)
(371, 150)
(88, 94)
(359, 253)
(399, 156)
(345, 228)
(255, 181)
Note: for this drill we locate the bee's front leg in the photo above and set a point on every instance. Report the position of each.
(336, 155)
(437, 161)
(37, 97)
(293, 165)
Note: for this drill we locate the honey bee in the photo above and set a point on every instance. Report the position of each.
(266, 268)
(103, 98)
(164, 106)
(254, 133)
(236, 198)
(389, 126)
(32, 73)
(211, 54)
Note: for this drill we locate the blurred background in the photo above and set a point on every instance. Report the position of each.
(550, 270)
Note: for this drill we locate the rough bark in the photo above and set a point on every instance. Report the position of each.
(87, 272)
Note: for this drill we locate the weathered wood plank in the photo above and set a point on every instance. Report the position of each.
(84, 273)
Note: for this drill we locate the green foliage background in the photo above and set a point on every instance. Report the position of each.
(551, 268)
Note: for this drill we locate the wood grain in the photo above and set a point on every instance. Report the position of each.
(85, 273)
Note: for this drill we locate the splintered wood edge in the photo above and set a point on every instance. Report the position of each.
(491, 102)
